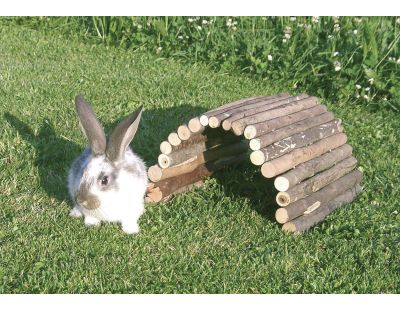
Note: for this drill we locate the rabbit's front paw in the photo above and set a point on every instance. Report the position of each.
(75, 212)
(91, 221)
(130, 228)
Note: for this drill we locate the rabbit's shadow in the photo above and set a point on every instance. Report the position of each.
(54, 155)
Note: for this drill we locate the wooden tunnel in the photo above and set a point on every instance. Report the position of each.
(293, 139)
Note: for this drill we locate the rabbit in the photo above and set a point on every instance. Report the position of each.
(108, 181)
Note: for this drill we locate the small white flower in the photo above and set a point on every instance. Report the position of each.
(337, 65)
(187, 37)
(315, 19)
(357, 20)
(300, 25)
(392, 59)
(269, 57)
(371, 81)
(384, 99)
(398, 21)
(330, 36)
(198, 27)
(358, 96)
(158, 50)
(366, 97)
(367, 89)
(355, 31)
(204, 22)
(336, 27)
(139, 26)
(307, 27)
(358, 86)
(398, 61)
(190, 20)
(336, 18)
(287, 35)
(180, 37)
(223, 55)
(335, 54)
(292, 18)
(284, 40)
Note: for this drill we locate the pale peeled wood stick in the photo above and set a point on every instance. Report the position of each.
(296, 141)
(306, 221)
(276, 135)
(310, 168)
(169, 186)
(242, 113)
(180, 156)
(317, 182)
(318, 198)
(174, 139)
(238, 126)
(296, 157)
(258, 129)
(267, 103)
(156, 173)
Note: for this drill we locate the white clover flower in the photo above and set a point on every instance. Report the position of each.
(371, 81)
(139, 26)
(292, 18)
(358, 96)
(204, 22)
(307, 27)
(198, 27)
(366, 97)
(180, 37)
(287, 35)
(330, 36)
(398, 21)
(315, 19)
(158, 50)
(269, 57)
(367, 89)
(355, 31)
(300, 25)
(284, 40)
(337, 65)
(190, 20)
(335, 54)
(336, 27)
(392, 59)
(336, 19)
(398, 61)
(187, 37)
(223, 55)
(358, 86)
(357, 20)
(384, 98)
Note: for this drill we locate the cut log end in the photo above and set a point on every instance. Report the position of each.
(281, 216)
(213, 122)
(283, 199)
(250, 132)
(289, 227)
(195, 126)
(237, 128)
(155, 195)
(154, 173)
(164, 161)
(281, 184)
(174, 139)
(165, 147)
(268, 170)
(204, 120)
(226, 125)
(257, 158)
(255, 144)
(184, 132)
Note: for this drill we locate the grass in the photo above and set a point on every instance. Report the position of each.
(221, 238)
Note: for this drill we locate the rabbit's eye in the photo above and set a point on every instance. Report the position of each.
(104, 180)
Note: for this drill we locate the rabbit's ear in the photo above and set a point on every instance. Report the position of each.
(90, 126)
(122, 135)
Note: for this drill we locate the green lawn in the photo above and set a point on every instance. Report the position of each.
(217, 239)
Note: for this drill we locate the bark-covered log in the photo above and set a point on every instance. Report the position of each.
(198, 151)
(296, 141)
(156, 195)
(307, 221)
(205, 116)
(276, 135)
(315, 200)
(308, 169)
(282, 164)
(228, 118)
(174, 139)
(258, 129)
(216, 119)
(316, 183)
(238, 126)
(169, 186)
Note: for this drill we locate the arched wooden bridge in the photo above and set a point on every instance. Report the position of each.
(293, 139)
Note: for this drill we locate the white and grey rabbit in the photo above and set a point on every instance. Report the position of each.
(107, 182)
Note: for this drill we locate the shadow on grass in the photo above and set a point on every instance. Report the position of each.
(54, 155)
